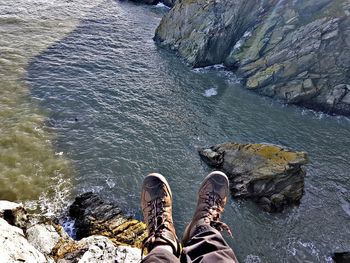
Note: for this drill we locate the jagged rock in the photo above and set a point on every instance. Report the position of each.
(93, 216)
(43, 237)
(13, 213)
(270, 175)
(203, 31)
(341, 257)
(15, 248)
(97, 249)
(271, 43)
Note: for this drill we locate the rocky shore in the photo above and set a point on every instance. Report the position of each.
(296, 51)
(104, 234)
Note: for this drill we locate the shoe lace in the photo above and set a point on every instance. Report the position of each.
(156, 221)
(214, 208)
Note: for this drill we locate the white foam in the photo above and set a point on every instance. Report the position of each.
(161, 5)
(209, 68)
(211, 92)
(252, 259)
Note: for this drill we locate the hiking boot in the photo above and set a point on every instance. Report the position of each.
(156, 204)
(212, 197)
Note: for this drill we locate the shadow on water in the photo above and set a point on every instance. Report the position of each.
(122, 107)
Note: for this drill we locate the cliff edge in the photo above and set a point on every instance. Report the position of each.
(297, 51)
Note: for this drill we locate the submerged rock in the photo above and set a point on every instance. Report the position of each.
(94, 216)
(270, 175)
(297, 51)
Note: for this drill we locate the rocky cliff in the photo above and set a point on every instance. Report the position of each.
(105, 234)
(297, 51)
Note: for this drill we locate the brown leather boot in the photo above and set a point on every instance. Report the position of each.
(212, 197)
(156, 204)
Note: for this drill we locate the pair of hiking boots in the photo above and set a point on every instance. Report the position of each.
(156, 204)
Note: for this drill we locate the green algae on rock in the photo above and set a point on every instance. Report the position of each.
(308, 41)
(270, 175)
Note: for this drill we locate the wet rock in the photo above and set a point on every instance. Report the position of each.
(341, 257)
(270, 175)
(96, 249)
(94, 216)
(13, 213)
(270, 43)
(203, 31)
(148, 2)
(15, 247)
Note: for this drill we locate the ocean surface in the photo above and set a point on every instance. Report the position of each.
(90, 103)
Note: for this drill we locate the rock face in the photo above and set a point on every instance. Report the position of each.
(93, 216)
(15, 247)
(270, 175)
(297, 51)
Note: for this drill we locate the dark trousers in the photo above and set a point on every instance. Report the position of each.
(206, 246)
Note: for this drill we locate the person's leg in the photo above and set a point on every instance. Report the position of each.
(202, 241)
(159, 255)
(156, 203)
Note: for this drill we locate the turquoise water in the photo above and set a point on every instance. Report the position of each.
(120, 107)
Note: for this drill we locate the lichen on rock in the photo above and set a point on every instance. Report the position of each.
(296, 51)
(94, 216)
(270, 175)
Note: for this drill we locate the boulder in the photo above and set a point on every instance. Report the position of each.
(296, 51)
(15, 247)
(96, 249)
(268, 174)
(94, 216)
(43, 237)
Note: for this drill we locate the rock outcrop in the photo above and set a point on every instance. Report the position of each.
(36, 239)
(16, 248)
(297, 51)
(94, 216)
(270, 175)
